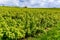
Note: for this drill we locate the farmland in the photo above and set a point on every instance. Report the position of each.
(29, 23)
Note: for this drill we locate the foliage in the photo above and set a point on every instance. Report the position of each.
(17, 23)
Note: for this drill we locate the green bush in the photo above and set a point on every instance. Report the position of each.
(17, 23)
(38, 22)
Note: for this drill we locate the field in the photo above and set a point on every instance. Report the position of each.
(29, 23)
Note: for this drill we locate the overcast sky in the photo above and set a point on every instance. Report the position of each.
(31, 3)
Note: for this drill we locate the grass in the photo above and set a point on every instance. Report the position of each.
(52, 34)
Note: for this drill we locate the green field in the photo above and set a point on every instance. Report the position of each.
(29, 23)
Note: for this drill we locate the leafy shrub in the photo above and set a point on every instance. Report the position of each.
(17, 23)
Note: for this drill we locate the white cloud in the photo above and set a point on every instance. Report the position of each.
(31, 3)
(51, 0)
(2, 1)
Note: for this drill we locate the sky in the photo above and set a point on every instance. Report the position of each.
(31, 3)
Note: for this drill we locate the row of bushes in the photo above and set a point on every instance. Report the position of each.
(21, 23)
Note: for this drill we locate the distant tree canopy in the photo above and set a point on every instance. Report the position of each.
(25, 7)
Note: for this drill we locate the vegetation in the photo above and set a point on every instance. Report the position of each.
(29, 23)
